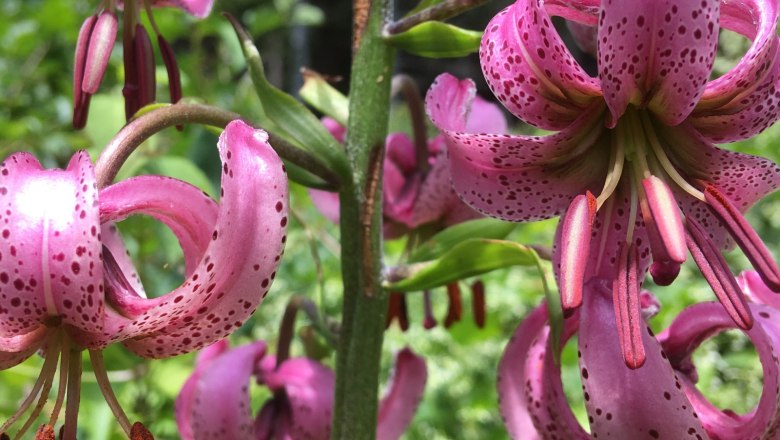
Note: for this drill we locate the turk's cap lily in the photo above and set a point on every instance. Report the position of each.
(659, 400)
(412, 196)
(631, 167)
(65, 267)
(214, 402)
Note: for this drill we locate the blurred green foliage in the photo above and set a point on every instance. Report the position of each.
(37, 40)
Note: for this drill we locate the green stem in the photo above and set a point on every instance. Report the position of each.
(365, 302)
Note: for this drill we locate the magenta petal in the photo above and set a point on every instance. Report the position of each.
(624, 403)
(756, 20)
(214, 402)
(239, 263)
(112, 240)
(435, 198)
(309, 387)
(511, 177)
(657, 53)
(338, 131)
(530, 392)
(401, 181)
(397, 407)
(327, 203)
(185, 209)
(16, 349)
(530, 70)
(485, 117)
(196, 8)
(701, 321)
(51, 251)
(753, 286)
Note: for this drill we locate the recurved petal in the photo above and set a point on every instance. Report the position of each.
(238, 265)
(657, 53)
(517, 178)
(531, 71)
(112, 240)
(746, 115)
(436, 198)
(756, 20)
(621, 402)
(185, 209)
(531, 399)
(485, 117)
(16, 349)
(309, 386)
(197, 8)
(753, 286)
(397, 407)
(702, 321)
(214, 402)
(50, 245)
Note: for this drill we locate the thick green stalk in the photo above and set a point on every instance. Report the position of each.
(365, 303)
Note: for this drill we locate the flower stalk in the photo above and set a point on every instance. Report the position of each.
(365, 302)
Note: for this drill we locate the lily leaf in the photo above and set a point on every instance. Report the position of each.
(434, 39)
(294, 121)
(466, 259)
(445, 240)
(318, 93)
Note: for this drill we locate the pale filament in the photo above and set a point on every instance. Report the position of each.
(616, 170)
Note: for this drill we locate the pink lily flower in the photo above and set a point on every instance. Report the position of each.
(67, 283)
(214, 402)
(416, 195)
(96, 40)
(533, 404)
(632, 167)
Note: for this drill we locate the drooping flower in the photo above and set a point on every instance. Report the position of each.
(658, 401)
(96, 40)
(632, 167)
(214, 402)
(68, 285)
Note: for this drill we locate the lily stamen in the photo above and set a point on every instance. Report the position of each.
(455, 308)
(625, 291)
(744, 234)
(715, 270)
(429, 321)
(99, 368)
(576, 234)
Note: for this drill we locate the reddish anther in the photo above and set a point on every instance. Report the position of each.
(625, 298)
(140, 432)
(716, 271)
(45, 432)
(429, 321)
(478, 303)
(745, 236)
(455, 308)
(397, 310)
(665, 213)
(575, 249)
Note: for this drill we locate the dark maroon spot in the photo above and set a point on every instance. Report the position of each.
(75, 268)
(279, 206)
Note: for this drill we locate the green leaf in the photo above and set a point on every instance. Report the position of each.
(305, 178)
(466, 259)
(318, 93)
(448, 238)
(434, 39)
(295, 122)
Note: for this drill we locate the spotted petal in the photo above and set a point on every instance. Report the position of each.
(701, 321)
(529, 69)
(309, 387)
(214, 402)
(239, 262)
(755, 20)
(516, 178)
(397, 407)
(751, 284)
(657, 53)
(531, 398)
(621, 402)
(50, 246)
(15, 349)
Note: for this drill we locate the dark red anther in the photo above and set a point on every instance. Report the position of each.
(45, 432)
(396, 309)
(716, 271)
(429, 321)
(147, 86)
(478, 303)
(4, 436)
(745, 236)
(625, 298)
(81, 99)
(139, 432)
(455, 309)
(172, 68)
